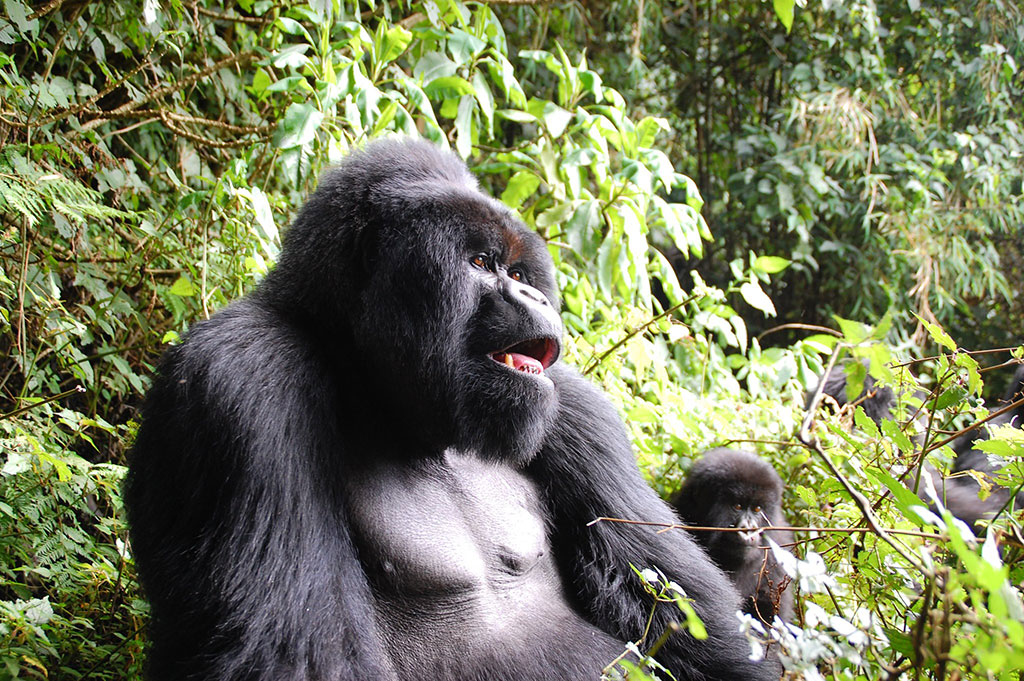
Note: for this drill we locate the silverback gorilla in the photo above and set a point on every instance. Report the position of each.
(373, 467)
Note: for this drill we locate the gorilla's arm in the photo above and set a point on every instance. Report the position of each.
(249, 568)
(586, 470)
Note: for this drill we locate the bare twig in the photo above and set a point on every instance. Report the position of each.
(786, 528)
(593, 364)
(976, 425)
(805, 327)
(54, 398)
(859, 499)
(51, 6)
(239, 59)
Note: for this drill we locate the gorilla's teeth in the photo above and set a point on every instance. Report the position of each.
(508, 361)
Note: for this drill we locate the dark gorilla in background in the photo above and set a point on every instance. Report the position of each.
(372, 467)
(733, 488)
(967, 455)
(878, 401)
(970, 458)
(960, 491)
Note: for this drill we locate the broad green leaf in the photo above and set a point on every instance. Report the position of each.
(756, 298)
(293, 27)
(516, 116)
(458, 86)
(385, 118)
(463, 46)
(865, 423)
(298, 127)
(434, 65)
(464, 125)
(938, 334)
(784, 10)
(853, 332)
(183, 287)
(520, 186)
(647, 131)
(770, 264)
(554, 117)
(293, 56)
(396, 40)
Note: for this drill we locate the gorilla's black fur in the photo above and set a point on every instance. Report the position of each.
(370, 467)
(878, 401)
(733, 488)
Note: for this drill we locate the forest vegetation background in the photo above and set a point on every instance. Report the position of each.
(735, 193)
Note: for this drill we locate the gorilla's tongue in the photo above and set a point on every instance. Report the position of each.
(519, 362)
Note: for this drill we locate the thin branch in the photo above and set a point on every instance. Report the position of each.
(786, 528)
(168, 119)
(805, 327)
(593, 364)
(234, 60)
(29, 407)
(912, 362)
(225, 17)
(977, 424)
(859, 499)
(51, 6)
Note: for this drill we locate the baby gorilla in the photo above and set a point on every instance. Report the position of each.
(732, 488)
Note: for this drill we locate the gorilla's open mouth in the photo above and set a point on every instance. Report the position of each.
(530, 357)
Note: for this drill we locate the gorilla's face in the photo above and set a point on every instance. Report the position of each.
(744, 508)
(461, 318)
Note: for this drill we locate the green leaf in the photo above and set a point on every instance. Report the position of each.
(756, 298)
(293, 56)
(183, 287)
(463, 46)
(464, 125)
(938, 334)
(516, 116)
(19, 14)
(554, 117)
(396, 40)
(864, 422)
(385, 118)
(647, 131)
(896, 434)
(853, 332)
(522, 185)
(949, 397)
(642, 413)
(260, 82)
(770, 264)
(293, 27)
(784, 10)
(456, 85)
(298, 127)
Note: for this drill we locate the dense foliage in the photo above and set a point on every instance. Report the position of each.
(149, 158)
(876, 144)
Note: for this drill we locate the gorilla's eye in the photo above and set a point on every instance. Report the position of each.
(517, 275)
(738, 507)
(482, 261)
(757, 509)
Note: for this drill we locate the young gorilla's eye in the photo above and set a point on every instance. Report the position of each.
(738, 507)
(517, 275)
(482, 261)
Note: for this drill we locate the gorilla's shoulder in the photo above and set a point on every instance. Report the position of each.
(245, 352)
